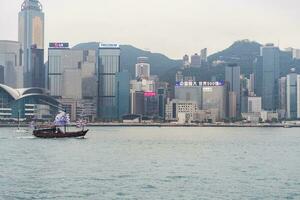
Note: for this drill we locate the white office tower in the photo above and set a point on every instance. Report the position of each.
(254, 105)
(203, 55)
(11, 72)
(62, 61)
(142, 68)
(180, 111)
(186, 62)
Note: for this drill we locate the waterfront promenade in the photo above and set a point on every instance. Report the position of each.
(239, 125)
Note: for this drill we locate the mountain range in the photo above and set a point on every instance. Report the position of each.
(242, 52)
(129, 54)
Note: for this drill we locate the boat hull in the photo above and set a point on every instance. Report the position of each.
(57, 133)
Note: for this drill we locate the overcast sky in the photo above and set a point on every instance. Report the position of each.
(172, 27)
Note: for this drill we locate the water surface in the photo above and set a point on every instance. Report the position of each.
(153, 163)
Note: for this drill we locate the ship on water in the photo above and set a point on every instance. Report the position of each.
(61, 120)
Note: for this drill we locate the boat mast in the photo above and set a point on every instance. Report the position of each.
(65, 125)
(19, 119)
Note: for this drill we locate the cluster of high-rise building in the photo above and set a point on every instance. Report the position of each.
(91, 83)
(262, 96)
(196, 60)
(87, 83)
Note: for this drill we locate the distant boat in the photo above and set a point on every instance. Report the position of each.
(62, 119)
(287, 126)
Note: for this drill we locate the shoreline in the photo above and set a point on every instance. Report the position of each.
(161, 125)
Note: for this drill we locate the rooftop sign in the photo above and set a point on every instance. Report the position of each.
(58, 45)
(201, 83)
(109, 46)
(149, 94)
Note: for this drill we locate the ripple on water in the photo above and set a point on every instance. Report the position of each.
(148, 187)
(121, 194)
(176, 177)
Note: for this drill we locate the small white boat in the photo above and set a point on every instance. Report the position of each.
(21, 130)
(287, 126)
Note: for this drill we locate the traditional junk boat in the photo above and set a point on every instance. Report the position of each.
(62, 119)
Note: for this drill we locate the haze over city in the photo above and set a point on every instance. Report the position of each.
(149, 99)
(170, 27)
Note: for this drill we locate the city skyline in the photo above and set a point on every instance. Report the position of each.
(195, 25)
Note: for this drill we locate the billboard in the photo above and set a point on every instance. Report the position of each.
(149, 94)
(109, 46)
(201, 83)
(58, 45)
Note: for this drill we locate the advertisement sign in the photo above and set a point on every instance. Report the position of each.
(109, 46)
(149, 94)
(201, 83)
(58, 45)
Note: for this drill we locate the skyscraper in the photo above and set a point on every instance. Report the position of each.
(258, 76)
(108, 67)
(291, 94)
(185, 62)
(142, 68)
(38, 70)
(232, 76)
(123, 93)
(203, 55)
(282, 87)
(270, 58)
(31, 34)
(196, 61)
(161, 102)
(62, 60)
(11, 60)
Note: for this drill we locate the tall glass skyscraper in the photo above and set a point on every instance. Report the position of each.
(258, 76)
(232, 76)
(108, 67)
(291, 94)
(270, 56)
(123, 93)
(31, 36)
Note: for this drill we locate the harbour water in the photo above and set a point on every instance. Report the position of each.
(153, 163)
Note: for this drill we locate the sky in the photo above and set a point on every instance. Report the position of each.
(171, 27)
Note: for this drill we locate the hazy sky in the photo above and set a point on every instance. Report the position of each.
(172, 27)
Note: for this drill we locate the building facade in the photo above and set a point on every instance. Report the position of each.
(31, 34)
(123, 93)
(176, 109)
(232, 77)
(189, 93)
(26, 104)
(11, 62)
(62, 61)
(37, 76)
(215, 97)
(142, 68)
(291, 95)
(108, 67)
(196, 61)
(270, 56)
(206, 95)
(258, 76)
(254, 105)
